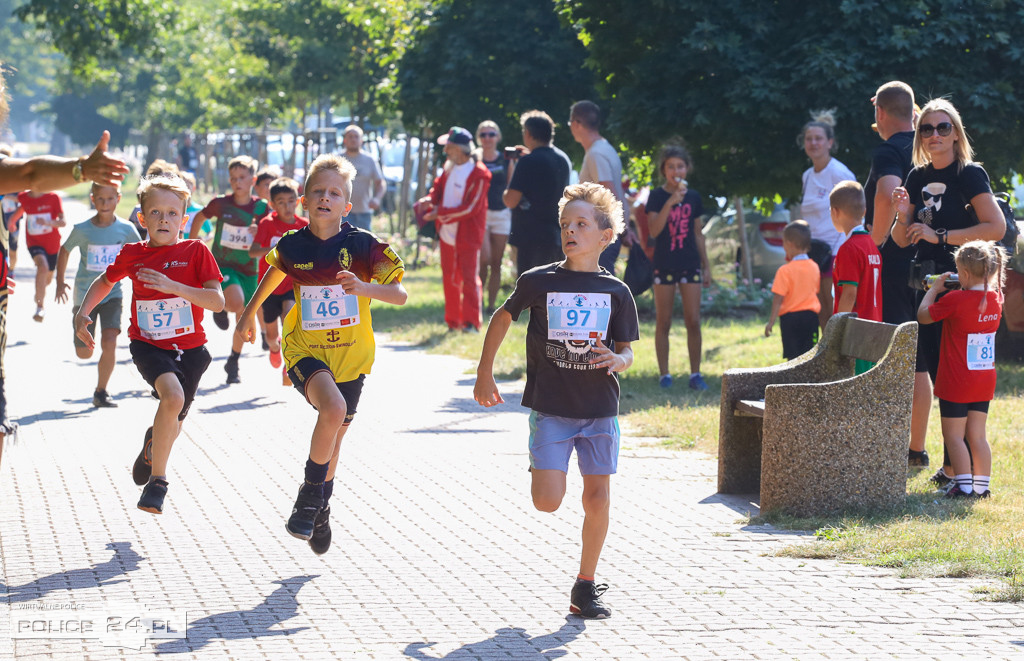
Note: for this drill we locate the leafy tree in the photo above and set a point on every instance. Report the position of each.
(30, 63)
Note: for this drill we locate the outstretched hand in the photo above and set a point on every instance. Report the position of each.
(101, 167)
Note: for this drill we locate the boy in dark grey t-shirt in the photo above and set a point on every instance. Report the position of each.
(582, 323)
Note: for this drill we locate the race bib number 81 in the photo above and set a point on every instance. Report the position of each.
(578, 316)
(981, 351)
(164, 318)
(328, 306)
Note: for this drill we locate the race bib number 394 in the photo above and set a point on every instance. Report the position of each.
(327, 306)
(235, 237)
(981, 351)
(164, 318)
(579, 316)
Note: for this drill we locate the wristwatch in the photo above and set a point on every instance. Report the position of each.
(940, 234)
(76, 171)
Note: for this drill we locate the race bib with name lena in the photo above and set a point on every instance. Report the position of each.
(578, 316)
(327, 306)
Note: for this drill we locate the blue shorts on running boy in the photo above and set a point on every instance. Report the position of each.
(553, 438)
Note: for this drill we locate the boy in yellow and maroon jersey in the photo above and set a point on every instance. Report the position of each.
(328, 341)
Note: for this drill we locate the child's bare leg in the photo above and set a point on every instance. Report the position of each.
(42, 277)
(547, 488)
(953, 430)
(981, 451)
(108, 345)
(921, 407)
(596, 504)
(664, 300)
(331, 411)
(166, 425)
(691, 315)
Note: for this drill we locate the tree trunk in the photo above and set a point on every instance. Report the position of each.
(748, 270)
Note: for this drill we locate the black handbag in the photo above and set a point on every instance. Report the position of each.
(639, 275)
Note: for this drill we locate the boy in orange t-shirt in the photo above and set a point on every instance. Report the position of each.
(795, 288)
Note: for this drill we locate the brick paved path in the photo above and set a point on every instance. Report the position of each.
(437, 551)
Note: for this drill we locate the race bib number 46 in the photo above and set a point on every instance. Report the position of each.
(235, 237)
(164, 318)
(981, 351)
(578, 316)
(328, 306)
(98, 258)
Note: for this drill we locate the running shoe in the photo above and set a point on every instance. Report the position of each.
(320, 542)
(231, 367)
(152, 499)
(586, 600)
(940, 479)
(956, 492)
(665, 381)
(143, 467)
(917, 461)
(697, 382)
(987, 493)
(38, 316)
(303, 519)
(101, 400)
(221, 319)
(275, 359)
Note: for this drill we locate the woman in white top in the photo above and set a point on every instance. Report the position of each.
(818, 140)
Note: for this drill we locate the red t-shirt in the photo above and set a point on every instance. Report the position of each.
(164, 320)
(967, 371)
(39, 213)
(269, 231)
(859, 263)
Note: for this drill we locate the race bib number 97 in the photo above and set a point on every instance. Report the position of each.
(164, 318)
(327, 306)
(981, 351)
(578, 316)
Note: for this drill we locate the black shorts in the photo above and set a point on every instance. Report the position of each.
(799, 332)
(948, 409)
(677, 276)
(350, 390)
(899, 302)
(273, 307)
(152, 362)
(51, 259)
(537, 253)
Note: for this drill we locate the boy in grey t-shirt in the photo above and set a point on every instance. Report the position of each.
(98, 239)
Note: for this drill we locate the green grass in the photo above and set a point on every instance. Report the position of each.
(928, 536)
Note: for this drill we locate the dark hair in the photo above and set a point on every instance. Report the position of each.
(539, 125)
(264, 175)
(586, 113)
(798, 233)
(674, 150)
(897, 99)
(283, 185)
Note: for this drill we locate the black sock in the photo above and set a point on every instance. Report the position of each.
(328, 490)
(235, 355)
(316, 475)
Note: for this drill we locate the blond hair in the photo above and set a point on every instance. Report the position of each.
(962, 150)
(985, 260)
(848, 197)
(159, 167)
(332, 163)
(243, 161)
(167, 182)
(824, 120)
(607, 209)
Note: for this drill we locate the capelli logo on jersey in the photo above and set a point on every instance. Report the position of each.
(174, 264)
(308, 266)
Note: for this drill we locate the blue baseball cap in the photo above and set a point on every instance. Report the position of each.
(456, 135)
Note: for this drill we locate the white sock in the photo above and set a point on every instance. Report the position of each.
(964, 481)
(981, 483)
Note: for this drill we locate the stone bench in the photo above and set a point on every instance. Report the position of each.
(812, 437)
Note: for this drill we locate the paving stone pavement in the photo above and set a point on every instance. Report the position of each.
(438, 552)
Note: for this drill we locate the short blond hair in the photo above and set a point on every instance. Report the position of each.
(168, 182)
(159, 167)
(332, 163)
(848, 197)
(243, 161)
(607, 209)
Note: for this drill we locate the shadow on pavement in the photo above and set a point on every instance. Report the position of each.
(246, 405)
(746, 503)
(280, 605)
(125, 560)
(117, 397)
(511, 642)
(27, 420)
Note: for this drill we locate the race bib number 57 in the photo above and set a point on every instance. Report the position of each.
(579, 316)
(164, 318)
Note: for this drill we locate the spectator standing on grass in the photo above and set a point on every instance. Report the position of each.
(499, 217)
(368, 187)
(188, 157)
(818, 140)
(536, 181)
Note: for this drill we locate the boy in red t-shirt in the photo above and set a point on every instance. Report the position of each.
(795, 293)
(172, 282)
(858, 266)
(284, 199)
(43, 215)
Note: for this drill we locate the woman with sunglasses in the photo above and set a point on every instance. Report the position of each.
(931, 215)
(818, 139)
(499, 217)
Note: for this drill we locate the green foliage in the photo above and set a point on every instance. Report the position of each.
(482, 59)
(29, 64)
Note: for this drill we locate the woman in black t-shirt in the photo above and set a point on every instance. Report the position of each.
(930, 214)
(680, 260)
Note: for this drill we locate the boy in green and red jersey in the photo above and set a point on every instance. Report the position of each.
(236, 216)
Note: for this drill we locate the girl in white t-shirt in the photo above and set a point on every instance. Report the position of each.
(818, 140)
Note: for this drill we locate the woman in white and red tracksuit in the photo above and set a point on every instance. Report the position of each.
(459, 196)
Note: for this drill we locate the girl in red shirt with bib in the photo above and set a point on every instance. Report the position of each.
(966, 379)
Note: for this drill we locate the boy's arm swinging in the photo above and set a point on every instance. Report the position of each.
(245, 328)
(98, 290)
(485, 390)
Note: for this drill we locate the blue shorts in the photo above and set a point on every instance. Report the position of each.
(552, 439)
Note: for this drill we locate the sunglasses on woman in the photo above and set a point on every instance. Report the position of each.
(488, 135)
(926, 130)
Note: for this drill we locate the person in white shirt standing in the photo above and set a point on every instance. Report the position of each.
(368, 187)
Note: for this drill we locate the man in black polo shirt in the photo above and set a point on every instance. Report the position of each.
(535, 187)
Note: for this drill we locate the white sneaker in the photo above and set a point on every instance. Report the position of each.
(38, 316)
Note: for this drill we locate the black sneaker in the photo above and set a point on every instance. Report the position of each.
(956, 492)
(320, 542)
(982, 495)
(101, 400)
(152, 499)
(940, 479)
(585, 600)
(221, 319)
(231, 367)
(143, 467)
(917, 461)
(303, 519)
